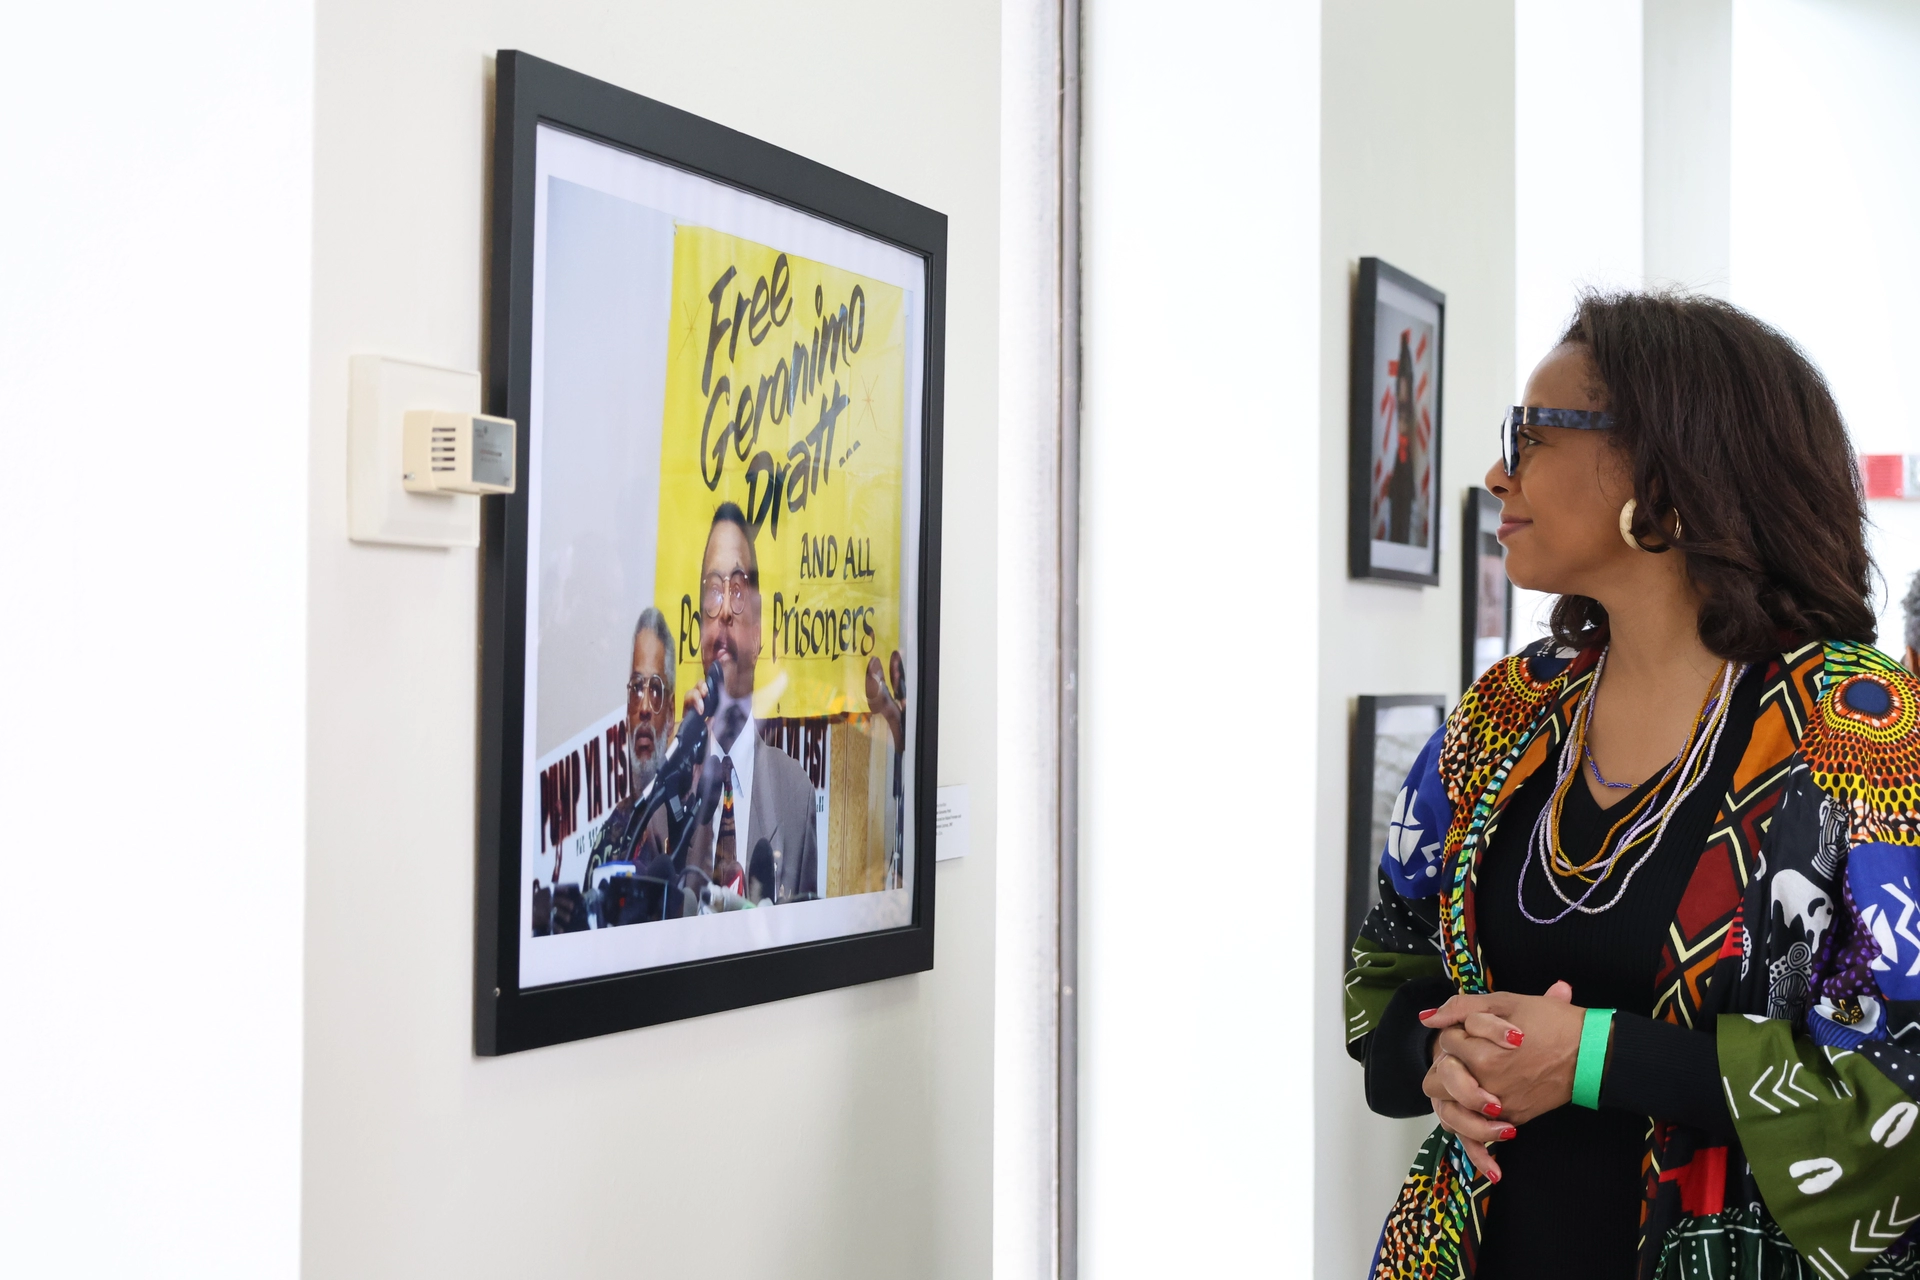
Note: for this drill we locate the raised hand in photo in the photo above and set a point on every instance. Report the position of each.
(889, 704)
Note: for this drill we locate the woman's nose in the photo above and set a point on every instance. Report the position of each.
(1497, 480)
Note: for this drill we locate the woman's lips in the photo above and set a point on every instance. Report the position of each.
(1509, 525)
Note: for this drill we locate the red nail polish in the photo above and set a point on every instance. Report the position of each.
(1509, 1133)
(1491, 1111)
(1427, 1013)
(1515, 1037)
(1493, 1175)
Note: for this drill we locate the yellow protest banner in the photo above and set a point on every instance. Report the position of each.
(786, 394)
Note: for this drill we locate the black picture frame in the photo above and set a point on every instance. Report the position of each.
(1365, 794)
(507, 1019)
(1388, 560)
(1479, 543)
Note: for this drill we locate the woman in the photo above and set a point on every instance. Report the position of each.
(1654, 961)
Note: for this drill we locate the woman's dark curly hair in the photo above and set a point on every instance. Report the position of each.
(1726, 423)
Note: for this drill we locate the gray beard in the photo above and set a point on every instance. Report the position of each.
(644, 767)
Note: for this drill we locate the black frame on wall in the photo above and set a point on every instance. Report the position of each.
(1361, 389)
(1480, 522)
(530, 91)
(1363, 859)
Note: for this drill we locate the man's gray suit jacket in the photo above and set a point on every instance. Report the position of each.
(783, 816)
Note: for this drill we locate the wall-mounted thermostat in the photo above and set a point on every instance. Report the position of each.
(391, 496)
(448, 452)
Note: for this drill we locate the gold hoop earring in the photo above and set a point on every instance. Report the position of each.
(1626, 525)
(1678, 529)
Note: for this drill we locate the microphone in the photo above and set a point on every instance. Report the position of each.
(692, 734)
(688, 748)
(763, 883)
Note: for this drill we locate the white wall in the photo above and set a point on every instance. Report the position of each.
(421, 1159)
(1201, 346)
(1577, 145)
(1415, 98)
(1826, 118)
(153, 341)
(1686, 137)
(1579, 180)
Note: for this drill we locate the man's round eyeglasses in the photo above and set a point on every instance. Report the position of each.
(649, 691)
(1522, 416)
(730, 590)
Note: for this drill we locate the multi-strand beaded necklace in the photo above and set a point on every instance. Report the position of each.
(1645, 821)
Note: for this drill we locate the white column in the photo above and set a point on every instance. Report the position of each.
(1577, 161)
(1034, 486)
(1579, 176)
(1198, 636)
(155, 244)
(1688, 135)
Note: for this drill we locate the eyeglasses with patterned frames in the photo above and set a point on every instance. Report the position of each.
(1526, 416)
(649, 691)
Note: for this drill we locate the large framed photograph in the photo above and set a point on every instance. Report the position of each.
(1399, 338)
(709, 665)
(1388, 733)
(1486, 596)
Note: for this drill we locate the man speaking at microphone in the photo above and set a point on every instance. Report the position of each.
(757, 839)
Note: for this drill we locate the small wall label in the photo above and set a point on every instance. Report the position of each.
(950, 823)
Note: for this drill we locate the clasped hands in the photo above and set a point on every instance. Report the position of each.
(1500, 1060)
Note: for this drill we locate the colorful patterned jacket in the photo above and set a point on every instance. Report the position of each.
(1797, 939)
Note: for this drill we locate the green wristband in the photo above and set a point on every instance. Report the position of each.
(1595, 1032)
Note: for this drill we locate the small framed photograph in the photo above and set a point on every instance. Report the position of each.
(1388, 733)
(1486, 597)
(710, 611)
(1399, 337)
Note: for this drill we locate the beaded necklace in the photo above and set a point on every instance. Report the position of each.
(1678, 781)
